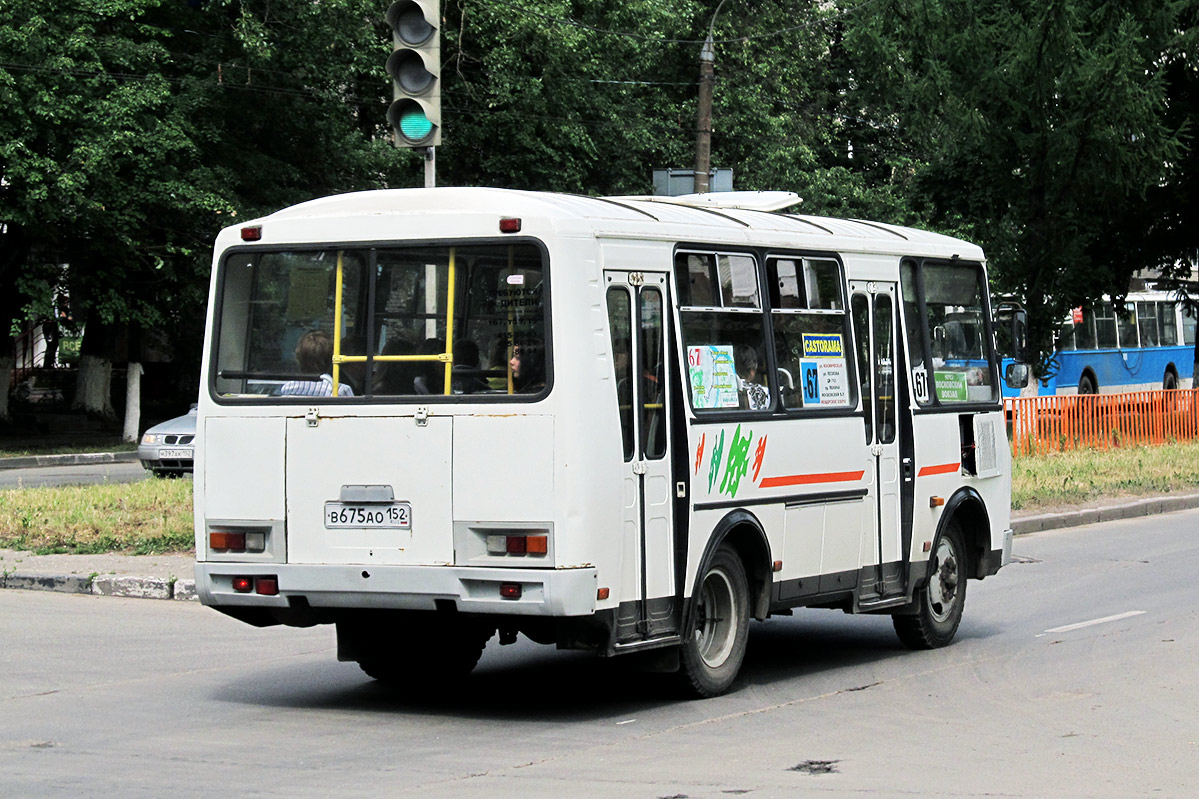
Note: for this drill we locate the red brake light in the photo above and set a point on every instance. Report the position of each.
(251, 233)
(516, 545)
(510, 590)
(243, 585)
(267, 586)
(510, 224)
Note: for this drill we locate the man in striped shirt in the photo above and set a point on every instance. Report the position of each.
(314, 354)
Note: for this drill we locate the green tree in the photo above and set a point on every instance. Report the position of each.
(1042, 126)
(138, 128)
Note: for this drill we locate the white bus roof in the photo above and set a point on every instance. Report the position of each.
(732, 219)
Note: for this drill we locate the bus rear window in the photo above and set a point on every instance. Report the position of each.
(382, 322)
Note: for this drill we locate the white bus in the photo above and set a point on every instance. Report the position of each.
(613, 424)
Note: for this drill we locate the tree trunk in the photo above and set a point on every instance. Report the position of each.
(93, 388)
(6, 365)
(133, 402)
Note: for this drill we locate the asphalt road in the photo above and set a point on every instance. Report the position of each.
(1073, 676)
(85, 474)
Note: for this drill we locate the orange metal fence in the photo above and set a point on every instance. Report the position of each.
(1100, 421)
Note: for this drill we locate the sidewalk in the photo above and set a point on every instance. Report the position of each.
(172, 576)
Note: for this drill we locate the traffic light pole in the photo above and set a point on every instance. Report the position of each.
(430, 167)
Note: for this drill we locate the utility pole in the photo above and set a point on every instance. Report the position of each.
(703, 128)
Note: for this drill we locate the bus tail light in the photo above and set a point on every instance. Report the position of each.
(510, 590)
(243, 585)
(267, 586)
(227, 542)
(518, 544)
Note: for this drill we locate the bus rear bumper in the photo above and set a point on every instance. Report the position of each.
(541, 592)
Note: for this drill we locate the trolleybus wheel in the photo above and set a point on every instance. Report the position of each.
(940, 601)
(714, 644)
(1086, 385)
(1169, 381)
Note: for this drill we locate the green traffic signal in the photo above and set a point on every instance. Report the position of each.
(415, 69)
(414, 125)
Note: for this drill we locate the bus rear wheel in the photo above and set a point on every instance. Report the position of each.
(425, 653)
(940, 601)
(1086, 385)
(714, 644)
(1169, 381)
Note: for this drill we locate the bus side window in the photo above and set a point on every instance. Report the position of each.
(723, 333)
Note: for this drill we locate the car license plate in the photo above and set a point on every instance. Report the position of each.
(175, 454)
(375, 515)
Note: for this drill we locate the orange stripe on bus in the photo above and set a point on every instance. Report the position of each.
(944, 468)
(808, 479)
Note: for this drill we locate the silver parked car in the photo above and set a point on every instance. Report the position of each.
(168, 449)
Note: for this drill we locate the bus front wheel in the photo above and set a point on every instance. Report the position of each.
(714, 644)
(1086, 385)
(940, 601)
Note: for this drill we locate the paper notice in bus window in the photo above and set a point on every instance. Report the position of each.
(713, 376)
(951, 386)
(307, 294)
(823, 376)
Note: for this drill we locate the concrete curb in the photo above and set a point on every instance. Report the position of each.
(1127, 510)
(76, 459)
(185, 590)
(103, 585)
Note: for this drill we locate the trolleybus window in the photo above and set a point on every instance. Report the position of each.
(413, 321)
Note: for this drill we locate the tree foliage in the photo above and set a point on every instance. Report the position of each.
(1056, 133)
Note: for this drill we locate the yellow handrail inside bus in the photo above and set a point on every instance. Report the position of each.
(449, 324)
(337, 323)
(511, 323)
(446, 357)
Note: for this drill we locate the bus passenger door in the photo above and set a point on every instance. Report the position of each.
(637, 317)
(873, 306)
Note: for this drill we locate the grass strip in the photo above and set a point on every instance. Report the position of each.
(155, 516)
(143, 518)
(1079, 477)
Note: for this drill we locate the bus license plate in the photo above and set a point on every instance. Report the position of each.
(381, 515)
(175, 454)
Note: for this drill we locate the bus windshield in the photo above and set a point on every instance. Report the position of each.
(949, 337)
(434, 322)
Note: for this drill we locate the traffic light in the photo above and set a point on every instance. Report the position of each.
(415, 69)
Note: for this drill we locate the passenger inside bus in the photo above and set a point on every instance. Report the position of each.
(396, 377)
(431, 377)
(528, 368)
(754, 395)
(314, 354)
(467, 376)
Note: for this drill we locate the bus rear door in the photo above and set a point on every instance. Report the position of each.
(637, 303)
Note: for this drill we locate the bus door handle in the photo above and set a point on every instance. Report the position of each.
(876, 450)
(640, 467)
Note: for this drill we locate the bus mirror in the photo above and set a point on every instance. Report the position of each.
(1017, 375)
(1012, 322)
